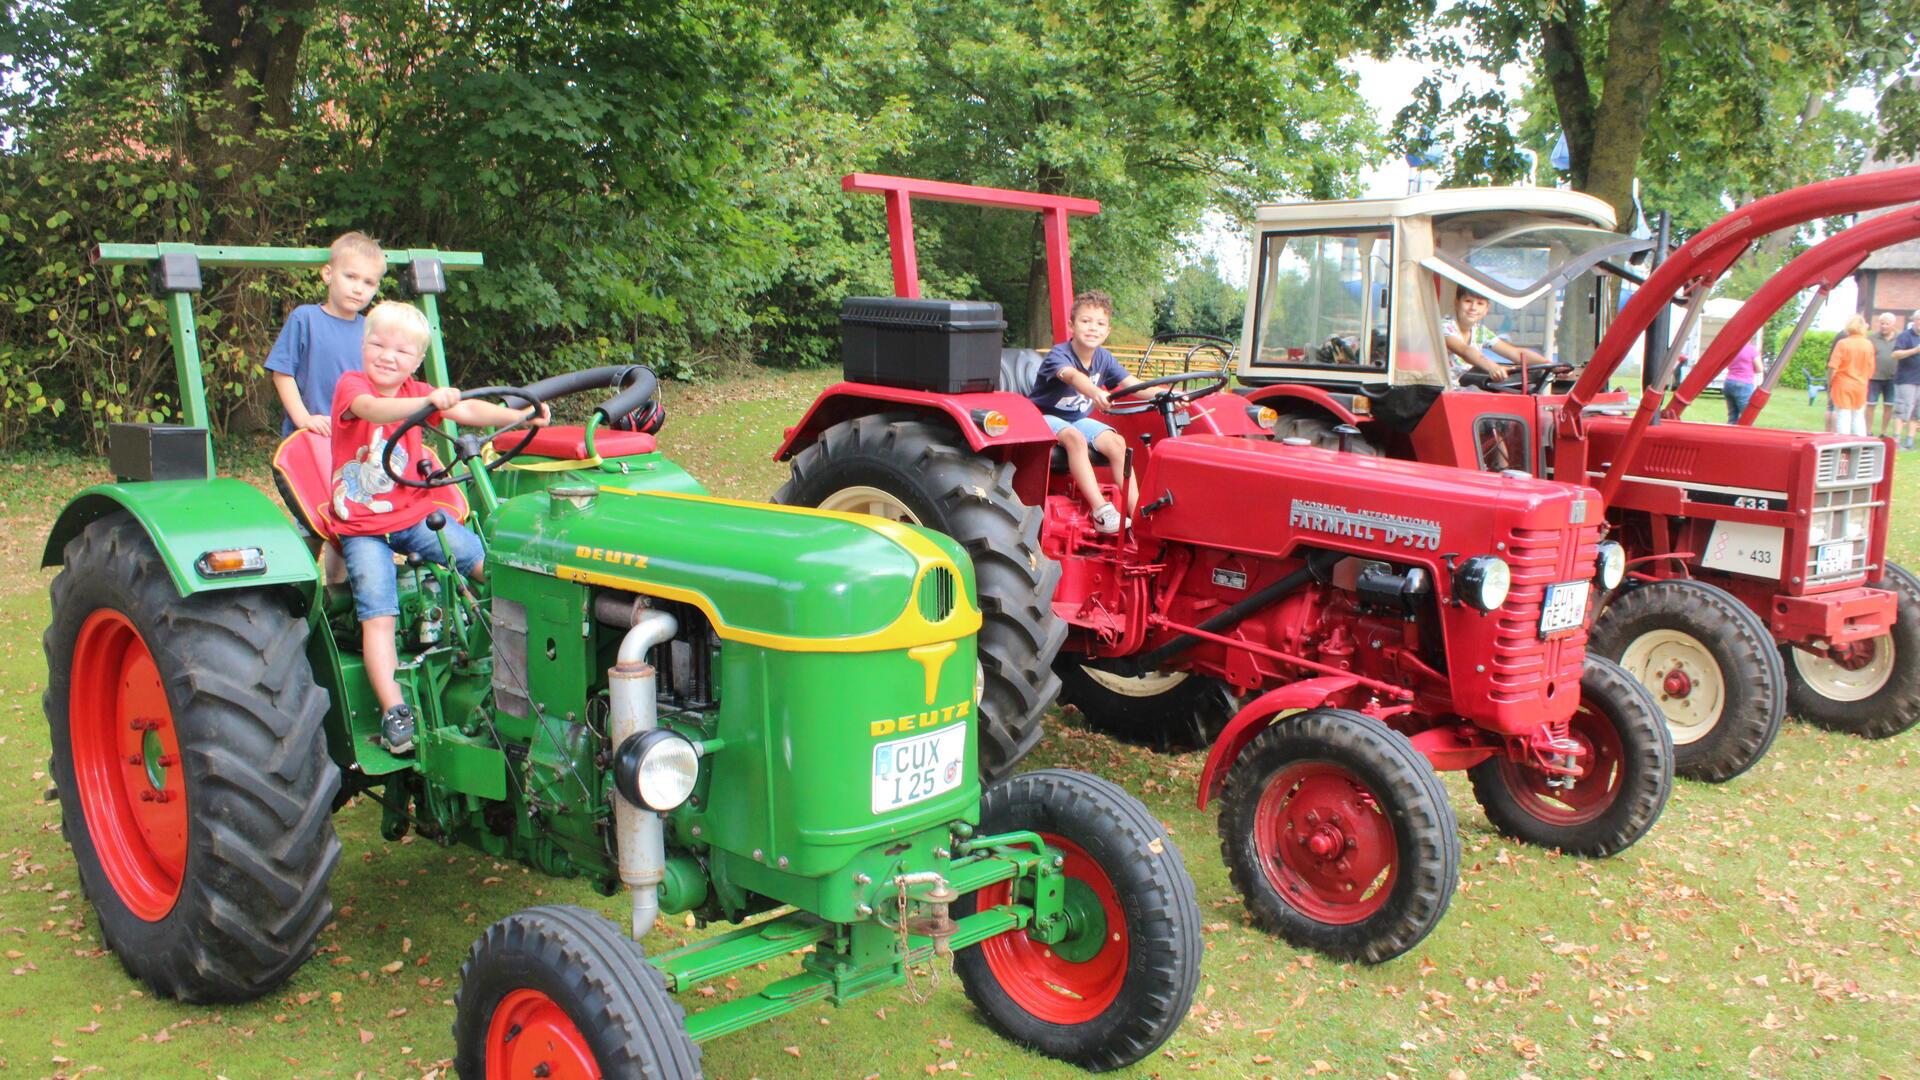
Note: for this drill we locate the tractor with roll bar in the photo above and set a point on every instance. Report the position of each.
(751, 714)
(1758, 557)
(1336, 627)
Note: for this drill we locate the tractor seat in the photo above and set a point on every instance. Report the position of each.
(303, 471)
(1019, 370)
(569, 442)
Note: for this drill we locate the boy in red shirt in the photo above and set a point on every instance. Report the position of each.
(376, 517)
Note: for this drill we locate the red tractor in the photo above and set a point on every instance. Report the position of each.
(1381, 619)
(1758, 557)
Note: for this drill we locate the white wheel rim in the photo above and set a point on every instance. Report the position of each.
(861, 499)
(1145, 686)
(1684, 679)
(1836, 683)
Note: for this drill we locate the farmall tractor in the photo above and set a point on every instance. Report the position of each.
(1758, 572)
(728, 709)
(1383, 619)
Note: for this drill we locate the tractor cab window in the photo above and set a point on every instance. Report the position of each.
(1500, 443)
(1323, 300)
(1550, 283)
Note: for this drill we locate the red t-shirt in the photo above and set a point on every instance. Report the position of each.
(366, 501)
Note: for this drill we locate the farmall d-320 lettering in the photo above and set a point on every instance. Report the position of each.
(1386, 618)
(727, 708)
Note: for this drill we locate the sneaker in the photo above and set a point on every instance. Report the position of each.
(396, 729)
(1106, 520)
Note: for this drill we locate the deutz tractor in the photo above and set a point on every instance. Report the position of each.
(1758, 557)
(1383, 619)
(727, 709)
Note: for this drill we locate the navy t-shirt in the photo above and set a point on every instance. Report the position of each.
(316, 349)
(1909, 372)
(1055, 397)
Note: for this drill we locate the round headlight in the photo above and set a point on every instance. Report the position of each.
(656, 769)
(1611, 565)
(1483, 581)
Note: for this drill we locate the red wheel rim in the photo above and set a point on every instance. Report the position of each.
(1049, 986)
(126, 765)
(532, 1036)
(1602, 761)
(1325, 844)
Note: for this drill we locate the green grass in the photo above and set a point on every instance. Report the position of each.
(1766, 927)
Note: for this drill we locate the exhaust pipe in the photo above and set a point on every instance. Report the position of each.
(639, 834)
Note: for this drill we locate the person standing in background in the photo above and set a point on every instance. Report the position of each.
(1884, 370)
(1742, 373)
(1849, 369)
(1906, 382)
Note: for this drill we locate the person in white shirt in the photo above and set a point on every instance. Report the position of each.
(1469, 340)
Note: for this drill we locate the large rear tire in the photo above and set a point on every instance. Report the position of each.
(1874, 691)
(907, 468)
(558, 991)
(1168, 710)
(1339, 836)
(1116, 988)
(1710, 664)
(195, 786)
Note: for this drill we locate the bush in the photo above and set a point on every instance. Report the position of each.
(1809, 360)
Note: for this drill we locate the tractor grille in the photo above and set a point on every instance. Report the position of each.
(1857, 463)
(1840, 521)
(936, 594)
(1523, 663)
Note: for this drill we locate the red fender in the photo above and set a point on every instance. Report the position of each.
(1278, 394)
(1256, 716)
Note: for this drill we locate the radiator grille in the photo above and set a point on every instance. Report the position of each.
(1523, 662)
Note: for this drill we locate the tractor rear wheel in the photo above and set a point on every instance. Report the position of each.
(195, 786)
(1339, 836)
(1873, 689)
(903, 467)
(1166, 710)
(1628, 773)
(558, 991)
(1711, 665)
(1118, 985)
(1318, 430)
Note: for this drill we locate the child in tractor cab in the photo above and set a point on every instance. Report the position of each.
(1470, 340)
(1076, 375)
(377, 518)
(321, 342)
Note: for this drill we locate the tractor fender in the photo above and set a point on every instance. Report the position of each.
(1288, 399)
(1256, 717)
(187, 518)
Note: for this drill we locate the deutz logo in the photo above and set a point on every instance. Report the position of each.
(916, 721)
(608, 555)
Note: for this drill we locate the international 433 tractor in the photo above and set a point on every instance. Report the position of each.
(1758, 562)
(725, 708)
(1382, 619)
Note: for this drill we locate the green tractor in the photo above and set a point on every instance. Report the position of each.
(724, 708)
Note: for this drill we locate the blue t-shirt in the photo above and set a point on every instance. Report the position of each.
(316, 349)
(1053, 396)
(1909, 372)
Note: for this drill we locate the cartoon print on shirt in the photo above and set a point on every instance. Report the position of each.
(363, 481)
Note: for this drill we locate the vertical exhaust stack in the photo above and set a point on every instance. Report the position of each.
(639, 834)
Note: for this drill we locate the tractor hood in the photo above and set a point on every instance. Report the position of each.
(780, 577)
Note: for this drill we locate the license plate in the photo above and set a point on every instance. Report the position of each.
(1565, 607)
(1836, 558)
(907, 771)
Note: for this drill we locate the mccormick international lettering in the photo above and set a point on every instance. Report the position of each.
(1372, 525)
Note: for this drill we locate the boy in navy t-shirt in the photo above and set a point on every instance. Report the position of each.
(321, 342)
(1076, 375)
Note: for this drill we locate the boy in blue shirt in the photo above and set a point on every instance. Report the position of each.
(321, 342)
(1076, 375)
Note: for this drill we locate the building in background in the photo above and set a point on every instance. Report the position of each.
(1889, 279)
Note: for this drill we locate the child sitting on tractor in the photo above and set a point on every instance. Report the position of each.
(377, 517)
(1469, 339)
(1076, 375)
(321, 342)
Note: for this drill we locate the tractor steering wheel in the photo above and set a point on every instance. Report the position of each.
(1219, 346)
(1536, 379)
(463, 447)
(1167, 402)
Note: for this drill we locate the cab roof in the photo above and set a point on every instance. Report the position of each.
(1583, 208)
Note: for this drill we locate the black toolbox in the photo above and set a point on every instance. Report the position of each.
(158, 452)
(941, 346)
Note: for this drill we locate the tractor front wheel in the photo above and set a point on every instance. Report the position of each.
(558, 991)
(1339, 836)
(195, 786)
(1120, 982)
(1711, 665)
(1167, 710)
(1627, 773)
(1870, 688)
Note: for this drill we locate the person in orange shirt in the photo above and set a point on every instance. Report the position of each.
(1849, 367)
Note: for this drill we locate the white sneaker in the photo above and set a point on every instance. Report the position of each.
(1106, 520)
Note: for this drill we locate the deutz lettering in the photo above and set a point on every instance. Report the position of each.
(608, 555)
(917, 721)
(1417, 533)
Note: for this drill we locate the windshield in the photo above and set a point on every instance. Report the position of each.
(1518, 259)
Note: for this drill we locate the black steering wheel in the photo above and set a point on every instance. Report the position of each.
(1167, 402)
(1536, 379)
(463, 447)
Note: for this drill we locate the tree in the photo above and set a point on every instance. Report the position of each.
(1198, 300)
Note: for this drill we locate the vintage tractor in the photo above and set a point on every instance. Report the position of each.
(1758, 561)
(726, 708)
(1384, 618)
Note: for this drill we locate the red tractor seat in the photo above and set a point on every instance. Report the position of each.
(303, 471)
(569, 442)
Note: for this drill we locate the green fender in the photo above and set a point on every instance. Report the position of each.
(186, 518)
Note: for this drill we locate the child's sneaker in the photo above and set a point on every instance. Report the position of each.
(396, 729)
(1106, 519)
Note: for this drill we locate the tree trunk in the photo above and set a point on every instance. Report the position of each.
(1567, 76)
(1630, 90)
(239, 78)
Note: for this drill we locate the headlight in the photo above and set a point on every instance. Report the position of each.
(656, 769)
(1483, 581)
(1263, 417)
(1611, 566)
(991, 422)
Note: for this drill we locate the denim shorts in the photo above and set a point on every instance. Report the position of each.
(376, 591)
(1880, 390)
(1086, 426)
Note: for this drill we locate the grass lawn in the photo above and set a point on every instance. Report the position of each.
(1766, 927)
